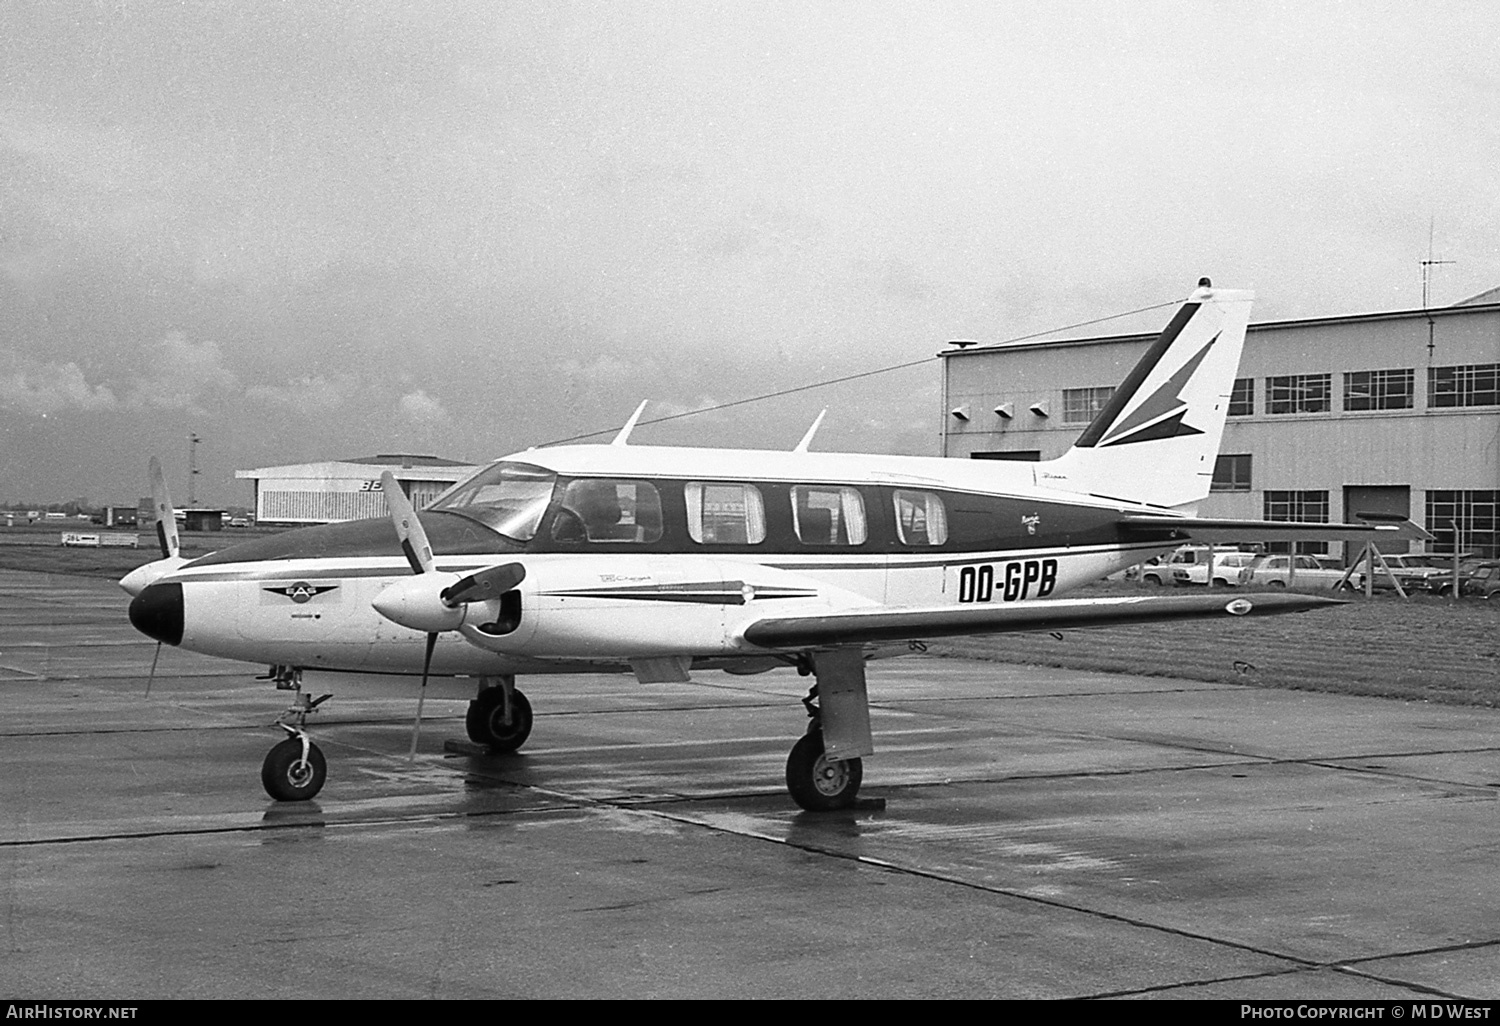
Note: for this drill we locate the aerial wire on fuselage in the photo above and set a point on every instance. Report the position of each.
(852, 377)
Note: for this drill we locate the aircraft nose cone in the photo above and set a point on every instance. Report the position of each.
(157, 612)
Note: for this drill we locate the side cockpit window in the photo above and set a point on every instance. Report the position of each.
(608, 510)
(827, 515)
(725, 514)
(920, 518)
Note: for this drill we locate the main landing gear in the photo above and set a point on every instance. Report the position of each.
(824, 769)
(295, 769)
(500, 718)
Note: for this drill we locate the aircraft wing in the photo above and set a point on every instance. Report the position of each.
(1046, 615)
(1225, 529)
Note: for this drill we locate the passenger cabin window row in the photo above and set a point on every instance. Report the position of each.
(611, 510)
(526, 503)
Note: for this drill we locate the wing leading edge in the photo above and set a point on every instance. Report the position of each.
(1048, 615)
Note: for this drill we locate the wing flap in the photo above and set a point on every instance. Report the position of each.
(1047, 615)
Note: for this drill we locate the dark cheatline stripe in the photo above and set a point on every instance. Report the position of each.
(725, 598)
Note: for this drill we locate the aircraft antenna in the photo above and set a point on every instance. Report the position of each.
(807, 438)
(623, 437)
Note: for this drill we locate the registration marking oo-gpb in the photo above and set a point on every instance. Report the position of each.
(1011, 582)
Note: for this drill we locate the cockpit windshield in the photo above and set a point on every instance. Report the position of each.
(508, 497)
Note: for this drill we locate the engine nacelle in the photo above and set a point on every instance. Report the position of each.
(417, 602)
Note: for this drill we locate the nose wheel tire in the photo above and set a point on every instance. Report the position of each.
(289, 776)
(818, 783)
(485, 722)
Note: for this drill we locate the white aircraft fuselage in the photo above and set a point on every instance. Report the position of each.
(825, 535)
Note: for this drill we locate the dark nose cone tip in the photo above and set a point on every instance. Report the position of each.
(157, 613)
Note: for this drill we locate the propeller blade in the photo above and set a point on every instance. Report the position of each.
(152, 677)
(166, 516)
(489, 583)
(416, 728)
(408, 528)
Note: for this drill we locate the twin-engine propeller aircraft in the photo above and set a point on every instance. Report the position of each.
(664, 562)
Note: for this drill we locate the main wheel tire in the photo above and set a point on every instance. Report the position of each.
(818, 783)
(288, 777)
(1152, 580)
(1273, 583)
(486, 724)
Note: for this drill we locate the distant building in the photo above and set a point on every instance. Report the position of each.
(321, 493)
(1385, 412)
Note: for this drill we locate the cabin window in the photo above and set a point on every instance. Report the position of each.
(725, 514)
(608, 510)
(920, 518)
(507, 497)
(828, 516)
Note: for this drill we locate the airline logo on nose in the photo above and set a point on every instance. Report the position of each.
(302, 591)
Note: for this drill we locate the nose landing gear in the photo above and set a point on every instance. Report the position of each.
(295, 769)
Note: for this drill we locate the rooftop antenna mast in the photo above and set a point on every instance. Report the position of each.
(193, 441)
(1427, 266)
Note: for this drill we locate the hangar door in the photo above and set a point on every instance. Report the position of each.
(1376, 499)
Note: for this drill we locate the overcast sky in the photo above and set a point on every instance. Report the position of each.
(319, 230)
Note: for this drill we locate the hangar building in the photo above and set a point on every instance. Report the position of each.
(1390, 412)
(321, 493)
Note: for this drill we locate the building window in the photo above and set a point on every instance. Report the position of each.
(1242, 399)
(1378, 390)
(725, 514)
(1310, 507)
(1081, 405)
(1299, 393)
(920, 518)
(827, 515)
(1477, 514)
(1232, 474)
(1475, 385)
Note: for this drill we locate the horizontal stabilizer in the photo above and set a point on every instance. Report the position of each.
(1047, 615)
(1225, 529)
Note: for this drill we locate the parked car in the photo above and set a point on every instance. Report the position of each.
(1478, 577)
(1484, 581)
(1227, 566)
(1405, 569)
(1279, 570)
(1154, 572)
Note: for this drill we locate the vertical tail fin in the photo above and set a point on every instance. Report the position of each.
(1157, 438)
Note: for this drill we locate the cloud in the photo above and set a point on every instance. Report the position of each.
(176, 374)
(422, 410)
(182, 375)
(44, 389)
(308, 392)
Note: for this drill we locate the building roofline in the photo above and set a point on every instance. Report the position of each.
(1365, 318)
